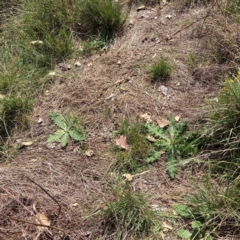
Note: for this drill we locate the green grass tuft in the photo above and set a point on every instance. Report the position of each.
(160, 70)
(129, 213)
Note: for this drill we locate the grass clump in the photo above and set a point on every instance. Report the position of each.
(129, 214)
(160, 70)
(212, 211)
(13, 114)
(223, 127)
(134, 159)
(101, 17)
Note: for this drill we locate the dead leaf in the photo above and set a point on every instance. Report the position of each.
(90, 64)
(164, 2)
(163, 90)
(26, 144)
(78, 64)
(147, 117)
(36, 42)
(142, 7)
(89, 153)
(40, 120)
(52, 73)
(128, 177)
(166, 227)
(46, 93)
(168, 16)
(151, 138)
(41, 218)
(75, 204)
(121, 142)
(177, 118)
(163, 122)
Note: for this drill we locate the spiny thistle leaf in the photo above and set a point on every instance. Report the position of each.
(153, 156)
(56, 136)
(64, 139)
(156, 131)
(59, 120)
(77, 135)
(172, 164)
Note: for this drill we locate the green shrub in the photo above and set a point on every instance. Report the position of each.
(160, 70)
(13, 114)
(101, 17)
(129, 213)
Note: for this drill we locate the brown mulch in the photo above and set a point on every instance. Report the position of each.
(103, 91)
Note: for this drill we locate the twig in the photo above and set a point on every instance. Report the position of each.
(32, 223)
(59, 206)
(189, 25)
(5, 190)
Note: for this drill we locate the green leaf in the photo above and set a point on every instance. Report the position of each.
(172, 164)
(153, 156)
(208, 237)
(184, 234)
(64, 139)
(77, 135)
(183, 210)
(56, 136)
(196, 224)
(59, 120)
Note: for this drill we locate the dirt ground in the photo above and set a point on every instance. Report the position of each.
(103, 90)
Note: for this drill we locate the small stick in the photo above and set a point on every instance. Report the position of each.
(189, 25)
(59, 206)
(5, 190)
(32, 223)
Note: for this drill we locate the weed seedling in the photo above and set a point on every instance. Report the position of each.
(67, 128)
(175, 141)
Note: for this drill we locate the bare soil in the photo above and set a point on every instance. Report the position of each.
(104, 90)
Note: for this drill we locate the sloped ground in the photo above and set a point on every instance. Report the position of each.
(103, 91)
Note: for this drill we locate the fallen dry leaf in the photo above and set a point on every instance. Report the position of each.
(166, 227)
(151, 138)
(177, 118)
(41, 218)
(142, 7)
(89, 153)
(26, 144)
(147, 117)
(128, 176)
(90, 64)
(121, 142)
(163, 122)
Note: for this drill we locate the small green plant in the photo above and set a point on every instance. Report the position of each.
(175, 141)
(199, 222)
(223, 128)
(160, 70)
(128, 213)
(68, 128)
(211, 211)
